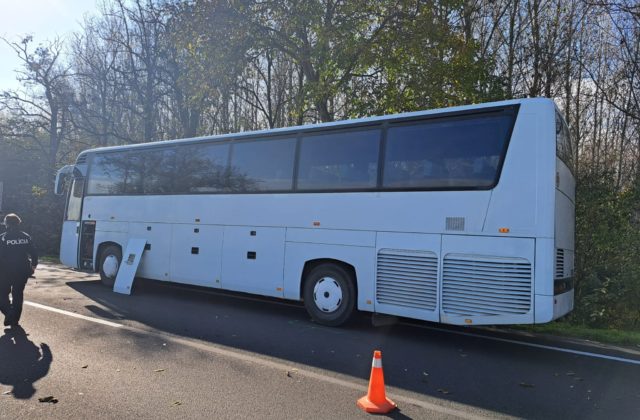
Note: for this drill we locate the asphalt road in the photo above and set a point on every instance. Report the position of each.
(173, 352)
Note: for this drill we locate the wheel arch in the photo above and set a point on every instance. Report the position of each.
(311, 264)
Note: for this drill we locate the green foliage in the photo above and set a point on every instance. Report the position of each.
(602, 335)
(425, 62)
(607, 253)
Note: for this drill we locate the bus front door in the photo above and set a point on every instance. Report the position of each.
(71, 225)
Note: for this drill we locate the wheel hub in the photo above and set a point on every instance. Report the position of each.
(327, 294)
(110, 266)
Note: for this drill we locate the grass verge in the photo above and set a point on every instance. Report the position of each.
(607, 336)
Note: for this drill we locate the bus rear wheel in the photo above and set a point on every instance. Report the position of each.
(329, 294)
(110, 259)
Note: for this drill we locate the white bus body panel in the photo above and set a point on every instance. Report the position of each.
(154, 265)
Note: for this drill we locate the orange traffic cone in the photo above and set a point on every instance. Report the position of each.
(376, 400)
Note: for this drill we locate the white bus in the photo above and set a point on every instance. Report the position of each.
(462, 215)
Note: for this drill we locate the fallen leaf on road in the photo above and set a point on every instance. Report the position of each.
(49, 399)
(175, 403)
(85, 366)
(7, 392)
(159, 370)
(526, 385)
(444, 391)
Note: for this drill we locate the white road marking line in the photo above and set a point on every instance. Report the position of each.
(250, 358)
(73, 314)
(539, 346)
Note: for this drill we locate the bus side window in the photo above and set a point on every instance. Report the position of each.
(448, 152)
(339, 160)
(263, 165)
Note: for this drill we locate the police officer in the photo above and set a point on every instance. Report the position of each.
(18, 260)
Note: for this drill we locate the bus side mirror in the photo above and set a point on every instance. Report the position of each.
(61, 176)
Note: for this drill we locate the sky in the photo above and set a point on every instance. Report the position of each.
(43, 19)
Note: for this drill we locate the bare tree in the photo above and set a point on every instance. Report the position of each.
(39, 111)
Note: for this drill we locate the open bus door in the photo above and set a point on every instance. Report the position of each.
(71, 225)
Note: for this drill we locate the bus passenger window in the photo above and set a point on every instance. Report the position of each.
(340, 160)
(262, 165)
(446, 153)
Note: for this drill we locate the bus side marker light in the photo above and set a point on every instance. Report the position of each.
(279, 289)
(316, 223)
(468, 321)
(503, 230)
(368, 302)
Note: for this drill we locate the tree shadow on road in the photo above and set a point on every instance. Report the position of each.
(22, 363)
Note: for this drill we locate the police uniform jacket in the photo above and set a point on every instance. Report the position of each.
(17, 254)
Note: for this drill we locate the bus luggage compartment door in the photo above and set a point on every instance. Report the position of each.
(196, 253)
(253, 260)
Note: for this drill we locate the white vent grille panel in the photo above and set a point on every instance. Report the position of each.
(407, 278)
(455, 223)
(486, 286)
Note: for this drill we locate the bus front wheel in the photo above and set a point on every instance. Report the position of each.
(329, 294)
(110, 259)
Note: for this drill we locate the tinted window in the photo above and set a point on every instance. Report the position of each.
(459, 152)
(134, 173)
(340, 160)
(108, 174)
(159, 171)
(263, 165)
(201, 168)
(563, 142)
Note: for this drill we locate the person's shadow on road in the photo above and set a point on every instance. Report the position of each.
(22, 363)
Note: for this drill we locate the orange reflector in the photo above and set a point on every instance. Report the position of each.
(368, 302)
(279, 289)
(503, 230)
(468, 321)
(316, 223)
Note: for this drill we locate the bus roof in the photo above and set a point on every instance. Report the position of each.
(316, 127)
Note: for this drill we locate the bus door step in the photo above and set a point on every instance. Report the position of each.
(129, 265)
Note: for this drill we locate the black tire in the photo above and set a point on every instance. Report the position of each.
(108, 253)
(336, 302)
